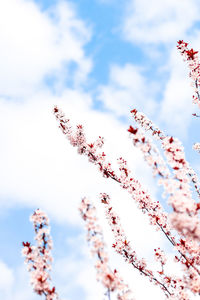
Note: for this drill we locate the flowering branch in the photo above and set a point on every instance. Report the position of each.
(192, 59)
(154, 210)
(185, 217)
(122, 246)
(150, 152)
(186, 246)
(110, 279)
(38, 258)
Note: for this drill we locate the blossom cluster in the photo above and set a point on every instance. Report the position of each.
(152, 208)
(176, 184)
(174, 287)
(110, 279)
(150, 152)
(196, 147)
(175, 176)
(191, 57)
(78, 139)
(123, 247)
(38, 258)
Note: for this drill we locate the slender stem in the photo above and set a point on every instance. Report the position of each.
(155, 279)
(108, 293)
(196, 85)
(183, 255)
(195, 185)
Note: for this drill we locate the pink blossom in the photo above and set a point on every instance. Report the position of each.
(123, 247)
(178, 186)
(175, 176)
(192, 59)
(38, 258)
(109, 279)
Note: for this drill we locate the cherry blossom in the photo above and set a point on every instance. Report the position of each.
(123, 247)
(110, 279)
(178, 186)
(196, 147)
(38, 258)
(152, 208)
(175, 177)
(192, 59)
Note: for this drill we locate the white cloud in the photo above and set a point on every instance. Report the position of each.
(155, 21)
(176, 107)
(126, 89)
(35, 44)
(20, 288)
(151, 23)
(6, 279)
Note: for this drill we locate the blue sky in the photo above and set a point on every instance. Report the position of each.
(97, 60)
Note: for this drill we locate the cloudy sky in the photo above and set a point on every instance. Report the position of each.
(97, 60)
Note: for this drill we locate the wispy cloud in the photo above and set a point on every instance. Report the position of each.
(35, 44)
(127, 88)
(176, 108)
(7, 280)
(154, 22)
